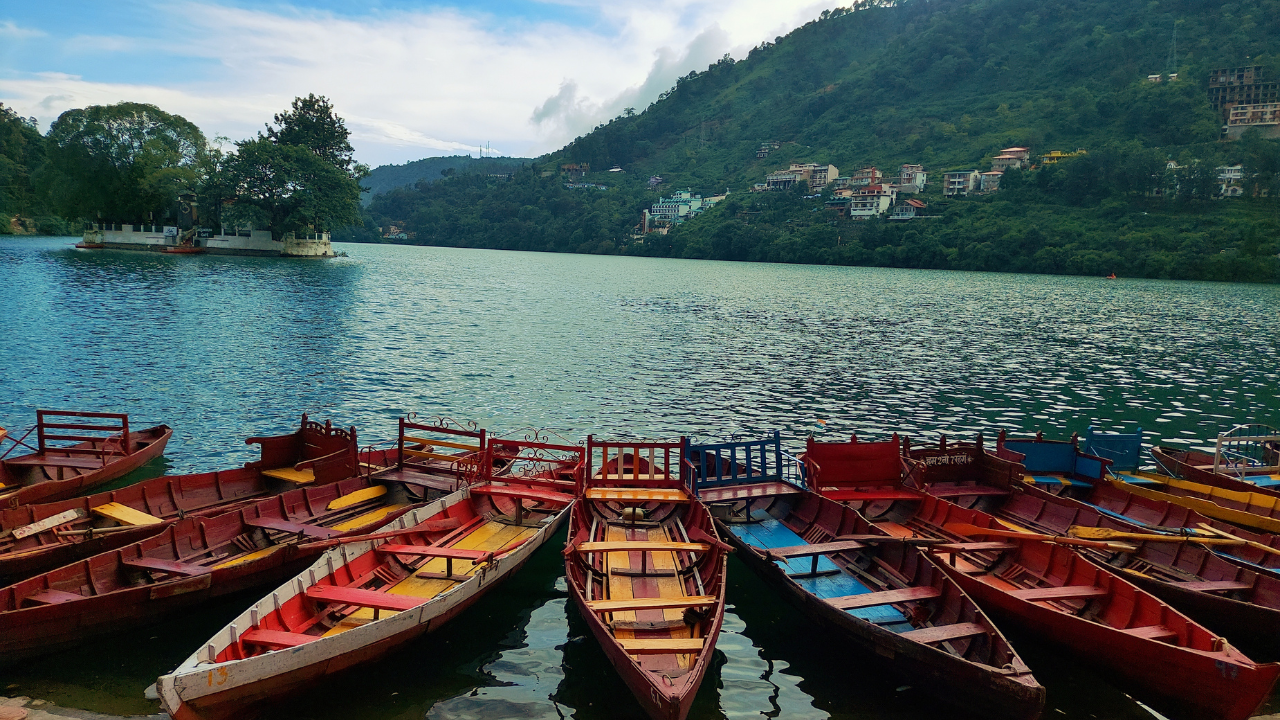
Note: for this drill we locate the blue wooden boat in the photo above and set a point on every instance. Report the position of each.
(884, 595)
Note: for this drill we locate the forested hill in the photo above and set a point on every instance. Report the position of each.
(389, 177)
(944, 83)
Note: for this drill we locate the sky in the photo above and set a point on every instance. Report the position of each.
(412, 79)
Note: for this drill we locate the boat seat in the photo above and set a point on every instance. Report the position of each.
(971, 546)
(438, 525)
(545, 496)
(429, 443)
(1211, 585)
(966, 491)
(1151, 632)
(796, 551)
(270, 523)
(126, 515)
(884, 597)
(357, 497)
(641, 546)
(275, 639)
(848, 495)
(739, 492)
(52, 597)
(1065, 592)
(92, 463)
(437, 552)
(661, 646)
(943, 633)
(363, 598)
(288, 474)
(615, 477)
(169, 566)
(637, 495)
(658, 603)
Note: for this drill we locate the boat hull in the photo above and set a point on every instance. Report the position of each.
(150, 445)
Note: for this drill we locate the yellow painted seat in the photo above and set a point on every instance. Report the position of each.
(637, 495)
(297, 477)
(126, 515)
(357, 497)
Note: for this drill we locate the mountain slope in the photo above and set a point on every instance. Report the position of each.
(388, 177)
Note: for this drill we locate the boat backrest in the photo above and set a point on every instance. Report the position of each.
(741, 462)
(635, 463)
(423, 446)
(92, 431)
(533, 463)
(312, 441)
(1124, 450)
(1040, 456)
(836, 465)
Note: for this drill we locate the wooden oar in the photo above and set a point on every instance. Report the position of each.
(967, 529)
(1250, 543)
(1097, 533)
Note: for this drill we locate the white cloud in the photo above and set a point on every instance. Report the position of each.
(8, 29)
(419, 83)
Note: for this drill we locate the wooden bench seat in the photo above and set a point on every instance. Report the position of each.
(641, 546)
(826, 548)
(545, 496)
(169, 566)
(662, 646)
(1066, 592)
(739, 492)
(637, 495)
(884, 597)
(871, 495)
(965, 491)
(355, 498)
(1211, 585)
(276, 639)
(943, 633)
(615, 477)
(657, 603)
(971, 546)
(270, 523)
(52, 597)
(1151, 632)
(87, 463)
(126, 515)
(436, 552)
(428, 442)
(288, 474)
(363, 598)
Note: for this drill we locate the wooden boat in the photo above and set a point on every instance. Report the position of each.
(183, 250)
(102, 448)
(647, 571)
(190, 562)
(1245, 458)
(1179, 565)
(39, 537)
(1174, 664)
(86, 245)
(365, 597)
(440, 455)
(886, 596)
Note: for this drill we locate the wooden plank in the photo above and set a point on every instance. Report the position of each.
(450, 459)
(971, 547)
(434, 552)
(658, 603)
(796, 551)
(1211, 585)
(943, 633)
(297, 477)
(662, 646)
(845, 495)
(52, 521)
(277, 639)
(408, 439)
(966, 491)
(884, 597)
(54, 461)
(52, 597)
(641, 546)
(523, 493)
(126, 515)
(1065, 592)
(636, 495)
(363, 598)
(1151, 632)
(271, 523)
(614, 477)
(169, 566)
(357, 497)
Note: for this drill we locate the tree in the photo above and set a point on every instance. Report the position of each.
(21, 149)
(121, 162)
(299, 176)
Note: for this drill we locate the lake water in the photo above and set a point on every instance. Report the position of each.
(224, 348)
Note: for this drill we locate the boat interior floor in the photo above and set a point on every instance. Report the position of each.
(660, 579)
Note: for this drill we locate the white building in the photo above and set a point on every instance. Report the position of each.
(872, 200)
(912, 178)
(961, 182)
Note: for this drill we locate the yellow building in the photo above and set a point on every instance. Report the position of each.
(1057, 155)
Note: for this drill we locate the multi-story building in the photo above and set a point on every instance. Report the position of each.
(1229, 87)
(1232, 179)
(871, 201)
(990, 181)
(907, 210)
(676, 209)
(1057, 155)
(816, 175)
(1012, 159)
(960, 182)
(912, 178)
(866, 176)
(1263, 116)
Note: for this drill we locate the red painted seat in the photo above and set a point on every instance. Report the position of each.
(276, 639)
(363, 598)
(523, 493)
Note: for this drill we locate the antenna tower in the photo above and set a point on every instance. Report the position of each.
(1171, 65)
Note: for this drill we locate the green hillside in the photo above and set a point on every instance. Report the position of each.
(388, 177)
(946, 84)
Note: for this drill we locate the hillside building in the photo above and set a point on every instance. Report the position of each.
(1265, 117)
(960, 182)
(907, 210)
(816, 175)
(912, 178)
(871, 201)
(1057, 155)
(990, 181)
(1230, 87)
(866, 176)
(1014, 158)
(674, 210)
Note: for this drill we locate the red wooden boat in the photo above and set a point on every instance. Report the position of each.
(183, 250)
(190, 562)
(884, 595)
(1227, 595)
(1245, 458)
(647, 571)
(39, 537)
(86, 245)
(1175, 664)
(367, 596)
(102, 448)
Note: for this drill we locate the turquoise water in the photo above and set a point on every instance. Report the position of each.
(224, 348)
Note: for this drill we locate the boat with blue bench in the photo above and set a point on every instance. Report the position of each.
(884, 595)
